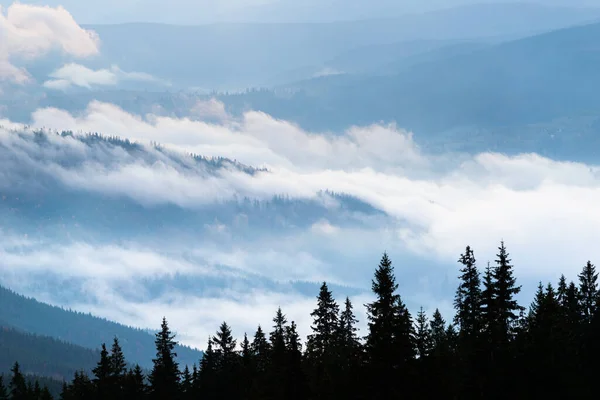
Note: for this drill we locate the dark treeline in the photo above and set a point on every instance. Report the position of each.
(492, 349)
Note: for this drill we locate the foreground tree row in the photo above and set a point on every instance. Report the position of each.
(492, 349)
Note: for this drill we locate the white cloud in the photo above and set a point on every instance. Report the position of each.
(210, 109)
(439, 204)
(28, 31)
(545, 210)
(257, 139)
(78, 75)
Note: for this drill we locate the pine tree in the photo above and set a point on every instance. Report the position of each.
(118, 370)
(64, 393)
(467, 303)
(438, 331)
(544, 330)
(36, 393)
(423, 339)
(261, 355)
(325, 324)
(207, 375)
(102, 373)
(322, 345)
(45, 395)
(489, 312)
(389, 346)
(260, 349)
(296, 386)
(3, 391)
(350, 354)
(186, 384)
(81, 387)
(347, 327)
(468, 298)
(165, 376)
(507, 307)
(278, 357)
(135, 385)
(17, 385)
(227, 362)
(248, 370)
(561, 291)
(588, 289)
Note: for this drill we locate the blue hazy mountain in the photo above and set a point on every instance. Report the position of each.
(531, 94)
(239, 55)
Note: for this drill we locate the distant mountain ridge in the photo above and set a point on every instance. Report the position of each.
(532, 94)
(233, 56)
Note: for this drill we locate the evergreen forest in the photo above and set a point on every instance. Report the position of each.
(493, 348)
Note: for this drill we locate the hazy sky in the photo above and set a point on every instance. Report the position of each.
(205, 11)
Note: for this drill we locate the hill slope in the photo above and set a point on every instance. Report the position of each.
(84, 330)
(43, 355)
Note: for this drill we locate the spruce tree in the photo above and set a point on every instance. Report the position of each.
(165, 376)
(227, 362)
(322, 345)
(207, 375)
(389, 345)
(186, 384)
(36, 393)
(348, 336)
(3, 390)
(544, 334)
(489, 312)
(423, 339)
(561, 290)
(350, 355)
(102, 375)
(17, 385)
(260, 349)
(135, 385)
(261, 355)
(247, 365)
(468, 298)
(45, 395)
(118, 369)
(507, 307)
(325, 325)
(81, 387)
(588, 289)
(468, 305)
(296, 385)
(64, 393)
(438, 331)
(278, 357)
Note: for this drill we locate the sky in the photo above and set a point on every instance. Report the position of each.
(209, 11)
(433, 205)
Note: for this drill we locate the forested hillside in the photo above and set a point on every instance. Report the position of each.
(84, 330)
(548, 350)
(43, 355)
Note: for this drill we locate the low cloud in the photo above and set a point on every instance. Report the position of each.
(30, 32)
(439, 203)
(78, 75)
(434, 205)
